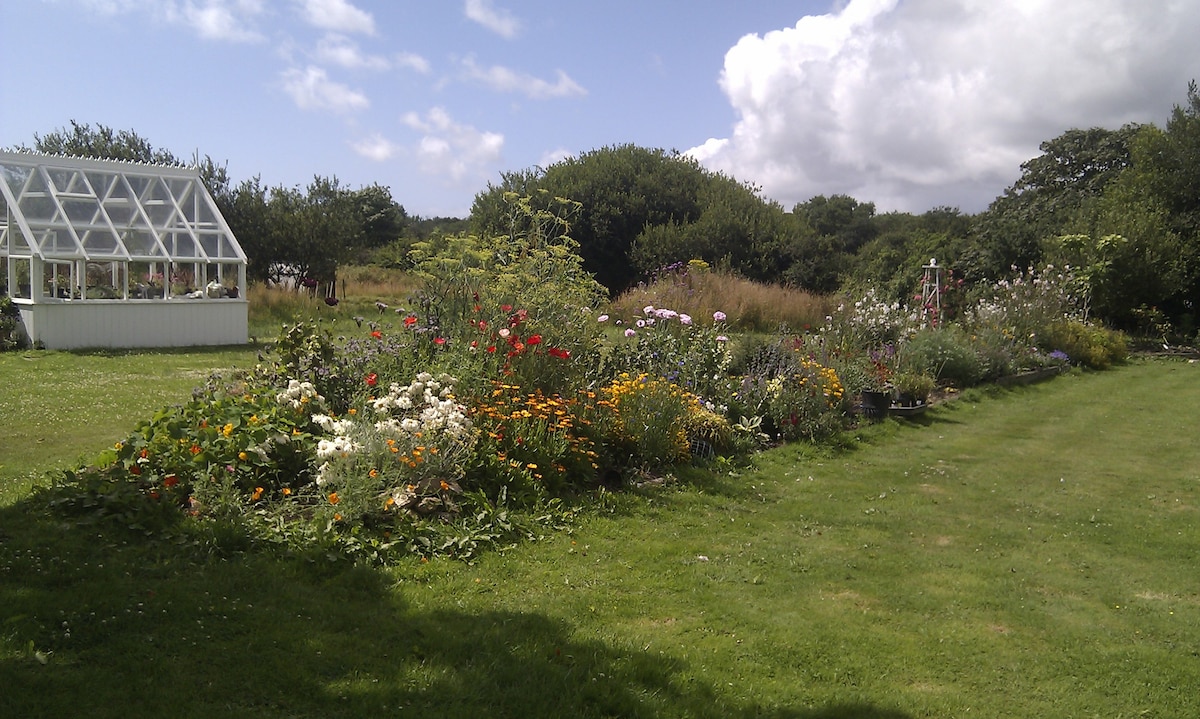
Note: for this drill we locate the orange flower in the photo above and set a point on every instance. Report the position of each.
(373, 473)
(287, 492)
(170, 480)
(334, 499)
(196, 449)
(258, 493)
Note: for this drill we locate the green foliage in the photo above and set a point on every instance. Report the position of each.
(946, 353)
(12, 337)
(649, 429)
(1086, 344)
(676, 347)
(504, 290)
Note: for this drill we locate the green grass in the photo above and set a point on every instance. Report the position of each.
(1015, 553)
(59, 407)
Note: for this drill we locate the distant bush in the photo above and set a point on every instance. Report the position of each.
(1086, 344)
(11, 337)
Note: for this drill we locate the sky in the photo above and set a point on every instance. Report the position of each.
(909, 104)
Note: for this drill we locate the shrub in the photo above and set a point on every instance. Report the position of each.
(671, 345)
(11, 336)
(1086, 344)
(534, 442)
(649, 422)
(946, 353)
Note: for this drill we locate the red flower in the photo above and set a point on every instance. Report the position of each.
(439, 340)
(559, 353)
(534, 340)
(372, 379)
(170, 480)
(505, 308)
(492, 349)
(377, 334)
(135, 469)
(410, 320)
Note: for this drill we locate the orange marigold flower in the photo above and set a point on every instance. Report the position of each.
(258, 493)
(334, 498)
(373, 473)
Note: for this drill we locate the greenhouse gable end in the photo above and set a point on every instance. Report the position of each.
(99, 253)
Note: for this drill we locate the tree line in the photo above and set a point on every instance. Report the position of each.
(1121, 207)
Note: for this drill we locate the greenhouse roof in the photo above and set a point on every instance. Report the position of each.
(62, 208)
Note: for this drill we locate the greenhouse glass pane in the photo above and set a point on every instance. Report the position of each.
(35, 201)
(17, 244)
(211, 243)
(181, 245)
(157, 202)
(82, 211)
(140, 243)
(100, 242)
(52, 242)
(16, 176)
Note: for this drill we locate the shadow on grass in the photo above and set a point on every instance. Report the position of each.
(91, 625)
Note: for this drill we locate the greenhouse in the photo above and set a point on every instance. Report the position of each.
(99, 253)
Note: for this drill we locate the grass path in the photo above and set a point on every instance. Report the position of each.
(59, 407)
(1016, 553)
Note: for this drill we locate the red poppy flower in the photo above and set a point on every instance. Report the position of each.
(372, 379)
(439, 340)
(377, 334)
(492, 349)
(559, 353)
(534, 340)
(410, 320)
(505, 308)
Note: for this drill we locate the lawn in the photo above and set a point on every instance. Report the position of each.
(1029, 552)
(59, 407)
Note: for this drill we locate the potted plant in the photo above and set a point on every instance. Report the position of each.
(913, 388)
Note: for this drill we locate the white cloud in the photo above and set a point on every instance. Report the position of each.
(221, 20)
(503, 79)
(311, 89)
(554, 156)
(413, 62)
(921, 103)
(456, 150)
(498, 20)
(337, 15)
(376, 147)
(341, 50)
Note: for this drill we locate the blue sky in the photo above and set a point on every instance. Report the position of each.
(910, 104)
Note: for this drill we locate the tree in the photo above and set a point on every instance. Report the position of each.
(622, 191)
(379, 220)
(102, 143)
(841, 217)
(1054, 189)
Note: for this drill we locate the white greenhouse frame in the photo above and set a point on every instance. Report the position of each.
(99, 253)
